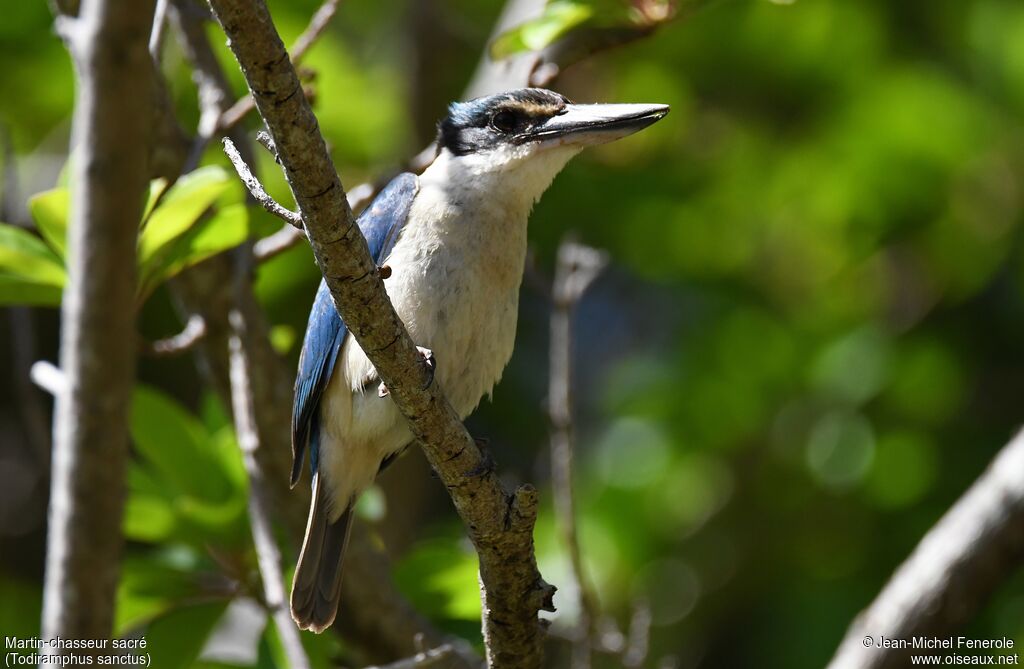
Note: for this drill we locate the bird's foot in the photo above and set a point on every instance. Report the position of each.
(487, 464)
(428, 361)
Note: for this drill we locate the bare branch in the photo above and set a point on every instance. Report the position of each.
(287, 237)
(256, 188)
(267, 143)
(48, 376)
(156, 36)
(379, 621)
(639, 641)
(427, 658)
(112, 131)
(500, 525)
(277, 243)
(976, 545)
(186, 340)
(317, 25)
(577, 268)
(268, 555)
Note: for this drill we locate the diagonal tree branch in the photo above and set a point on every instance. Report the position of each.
(952, 572)
(499, 524)
(108, 43)
(379, 621)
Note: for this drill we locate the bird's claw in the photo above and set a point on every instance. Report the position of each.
(429, 362)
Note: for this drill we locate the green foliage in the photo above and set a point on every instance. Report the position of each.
(50, 212)
(30, 273)
(600, 21)
(435, 577)
(182, 226)
(187, 503)
(807, 348)
(187, 483)
(177, 637)
(177, 233)
(559, 18)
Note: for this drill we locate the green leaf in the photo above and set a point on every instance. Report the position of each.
(157, 187)
(437, 576)
(225, 229)
(30, 273)
(558, 19)
(24, 255)
(174, 640)
(148, 518)
(17, 291)
(172, 442)
(179, 210)
(187, 484)
(152, 583)
(50, 212)
(181, 454)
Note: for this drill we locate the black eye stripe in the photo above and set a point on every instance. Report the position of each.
(505, 121)
(483, 123)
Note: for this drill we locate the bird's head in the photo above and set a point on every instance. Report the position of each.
(533, 131)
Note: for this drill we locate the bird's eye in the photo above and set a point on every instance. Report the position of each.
(504, 121)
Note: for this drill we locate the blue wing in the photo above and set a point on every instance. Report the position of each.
(380, 223)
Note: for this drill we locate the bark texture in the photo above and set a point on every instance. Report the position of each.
(974, 548)
(378, 620)
(111, 132)
(499, 524)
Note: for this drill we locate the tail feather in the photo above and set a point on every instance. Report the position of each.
(316, 588)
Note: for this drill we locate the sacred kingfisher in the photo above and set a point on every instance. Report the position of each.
(454, 239)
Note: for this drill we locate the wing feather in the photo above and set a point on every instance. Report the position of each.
(380, 224)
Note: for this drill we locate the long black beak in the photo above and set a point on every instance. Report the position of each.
(586, 125)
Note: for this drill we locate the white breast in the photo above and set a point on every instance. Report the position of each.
(456, 270)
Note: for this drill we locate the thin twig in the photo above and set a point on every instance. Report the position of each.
(287, 237)
(256, 188)
(267, 553)
(317, 25)
(156, 36)
(267, 142)
(190, 336)
(973, 548)
(577, 267)
(276, 244)
(48, 376)
(639, 640)
(427, 658)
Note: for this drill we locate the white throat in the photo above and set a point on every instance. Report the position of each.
(510, 177)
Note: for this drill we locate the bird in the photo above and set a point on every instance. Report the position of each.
(454, 239)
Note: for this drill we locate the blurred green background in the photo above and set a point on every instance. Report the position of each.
(806, 348)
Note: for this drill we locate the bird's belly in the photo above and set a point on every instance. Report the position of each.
(471, 331)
